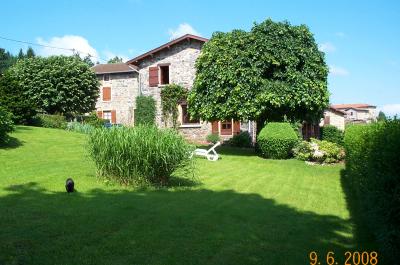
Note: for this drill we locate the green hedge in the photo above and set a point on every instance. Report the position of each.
(332, 134)
(145, 112)
(276, 140)
(50, 121)
(137, 155)
(6, 124)
(373, 173)
(243, 139)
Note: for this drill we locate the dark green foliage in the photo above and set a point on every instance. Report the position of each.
(373, 172)
(213, 138)
(332, 134)
(14, 98)
(30, 53)
(145, 112)
(6, 124)
(92, 120)
(171, 95)
(6, 60)
(381, 116)
(88, 61)
(50, 121)
(243, 139)
(275, 70)
(142, 154)
(276, 140)
(116, 59)
(58, 84)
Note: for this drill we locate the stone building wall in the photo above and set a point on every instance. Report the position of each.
(124, 90)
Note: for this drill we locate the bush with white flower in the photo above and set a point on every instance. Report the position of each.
(319, 151)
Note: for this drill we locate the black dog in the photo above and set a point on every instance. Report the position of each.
(69, 185)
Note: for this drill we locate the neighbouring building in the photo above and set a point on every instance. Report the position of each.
(147, 74)
(357, 113)
(334, 117)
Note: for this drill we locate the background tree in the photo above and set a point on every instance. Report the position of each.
(171, 95)
(116, 59)
(21, 54)
(6, 60)
(58, 84)
(88, 61)
(30, 53)
(381, 116)
(274, 72)
(15, 100)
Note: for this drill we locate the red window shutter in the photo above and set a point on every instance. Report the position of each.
(106, 93)
(113, 116)
(226, 127)
(153, 76)
(236, 127)
(100, 114)
(214, 127)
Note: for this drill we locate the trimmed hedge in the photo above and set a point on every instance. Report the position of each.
(6, 124)
(332, 134)
(276, 140)
(373, 173)
(50, 121)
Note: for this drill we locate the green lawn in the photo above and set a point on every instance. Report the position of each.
(243, 210)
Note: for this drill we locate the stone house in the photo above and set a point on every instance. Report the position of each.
(334, 117)
(147, 74)
(357, 113)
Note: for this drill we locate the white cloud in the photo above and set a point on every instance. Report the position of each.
(390, 109)
(338, 71)
(326, 47)
(109, 55)
(80, 44)
(181, 30)
(340, 34)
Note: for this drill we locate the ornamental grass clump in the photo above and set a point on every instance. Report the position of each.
(140, 155)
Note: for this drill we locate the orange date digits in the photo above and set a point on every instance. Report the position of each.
(313, 258)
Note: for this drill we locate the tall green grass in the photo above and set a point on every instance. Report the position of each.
(143, 154)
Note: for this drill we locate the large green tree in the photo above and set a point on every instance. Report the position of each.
(273, 72)
(15, 100)
(6, 60)
(58, 84)
(116, 59)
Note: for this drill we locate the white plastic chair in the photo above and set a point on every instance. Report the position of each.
(210, 154)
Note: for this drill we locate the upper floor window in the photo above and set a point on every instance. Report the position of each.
(106, 77)
(106, 93)
(164, 74)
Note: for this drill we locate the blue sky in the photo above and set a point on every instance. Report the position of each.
(361, 39)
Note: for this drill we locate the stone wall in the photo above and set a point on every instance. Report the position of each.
(124, 90)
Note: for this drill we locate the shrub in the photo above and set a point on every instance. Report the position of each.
(50, 121)
(243, 139)
(318, 151)
(145, 112)
(332, 134)
(373, 173)
(142, 154)
(80, 127)
(171, 95)
(6, 124)
(213, 138)
(93, 120)
(276, 140)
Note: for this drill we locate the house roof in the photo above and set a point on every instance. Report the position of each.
(114, 68)
(352, 106)
(166, 46)
(338, 111)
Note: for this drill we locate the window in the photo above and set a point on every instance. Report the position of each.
(226, 127)
(107, 115)
(106, 93)
(164, 69)
(106, 77)
(185, 116)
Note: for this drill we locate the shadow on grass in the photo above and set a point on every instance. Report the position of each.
(362, 234)
(195, 226)
(11, 143)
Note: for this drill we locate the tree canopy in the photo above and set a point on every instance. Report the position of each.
(6, 60)
(57, 84)
(116, 59)
(273, 72)
(381, 116)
